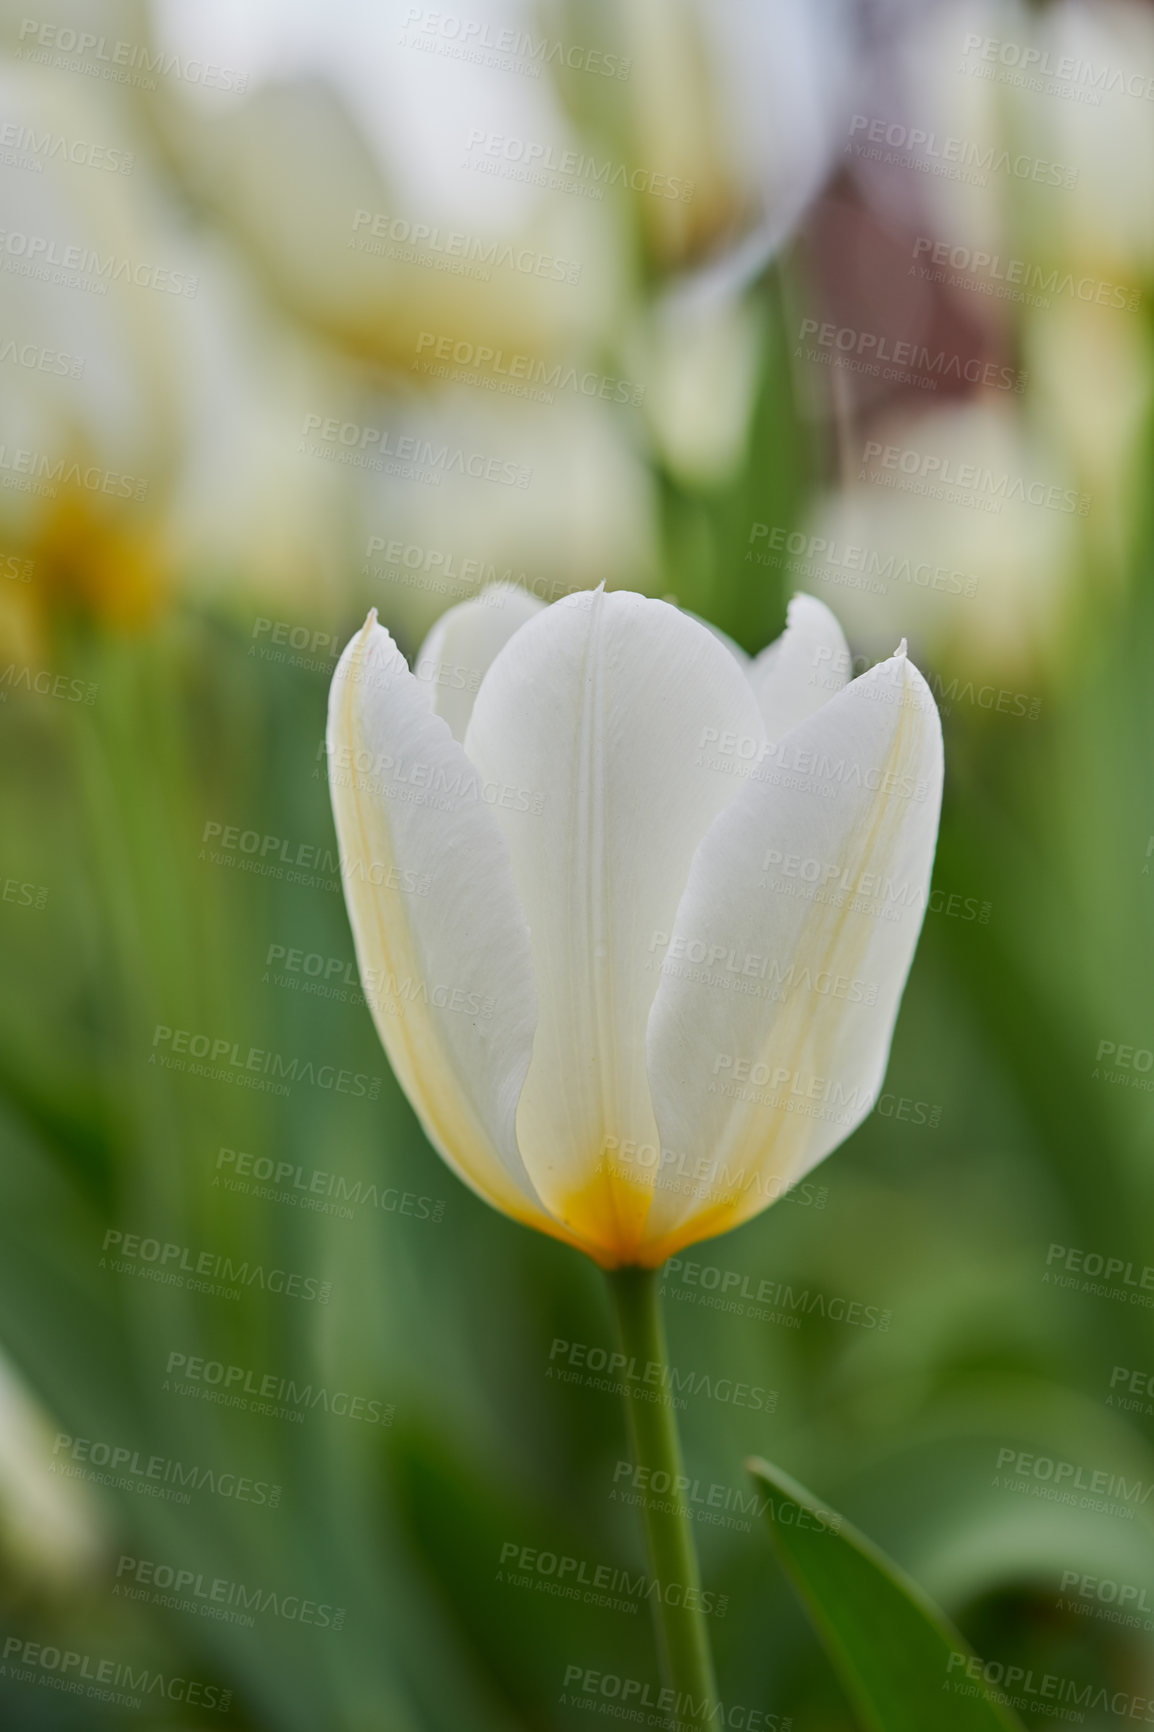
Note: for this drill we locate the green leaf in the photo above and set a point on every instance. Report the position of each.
(902, 1663)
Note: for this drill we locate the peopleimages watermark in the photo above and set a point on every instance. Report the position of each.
(404, 454)
(424, 781)
(267, 1393)
(503, 49)
(940, 477)
(37, 359)
(1057, 75)
(440, 571)
(604, 1585)
(1124, 1066)
(579, 1362)
(311, 865)
(220, 1059)
(750, 973)
(45, 684)
(895, 145)
(807, 878)
(1012, 279)
(907, 363)
(336, 979)
(15, 568)
(1139, 1387)
(387, 236)
(758, 1297)
(1068, 1482)
(786, 1091)
(700, 1176)
(161, 1476)
(21, 146)
(754, 1080)
(1135, 1289)
(572, 171)
(461, 361)
(23, 894)
(62, 46)
(850, 564)
(1109, 1601)
(644, 1704)
(316, 1190)
(117, 1683)
(216, 1596)
(908, 1110)
(717, 1504)
(831, 668)
(213, 1272)
(79, 267)
(436, 569)
(28, 471)
(655, 1489)
(1040, 1693)
(294, 645)
(790, 765)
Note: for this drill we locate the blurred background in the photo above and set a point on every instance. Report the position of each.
(313, 308)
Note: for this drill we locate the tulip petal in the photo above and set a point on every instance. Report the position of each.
(805, 901)
(802, 669)
(441, 939)
(597, 717)
(457, 653)
(744, 661)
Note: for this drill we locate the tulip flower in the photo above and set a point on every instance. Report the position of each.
(634, 914)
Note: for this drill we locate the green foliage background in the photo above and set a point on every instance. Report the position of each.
(944, 1228)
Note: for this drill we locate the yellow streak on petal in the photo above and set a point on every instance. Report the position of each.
(384, 942)
(608, 1212)
(842, 946)
(714, 1218)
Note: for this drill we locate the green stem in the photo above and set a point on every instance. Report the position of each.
(682, 1641)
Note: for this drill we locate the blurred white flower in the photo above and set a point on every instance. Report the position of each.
(584, 514)
(1106, 219)
(257, 525)
(745, 104)
(349, 172)
(700, 361)
(1049, 141)
(50, 1526)
(957, 525)
(96, 280)
(1091, 377)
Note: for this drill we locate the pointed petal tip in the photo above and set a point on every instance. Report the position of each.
(362, 636)
(902, 650)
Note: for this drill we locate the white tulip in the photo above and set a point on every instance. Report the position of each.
(633, 912)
